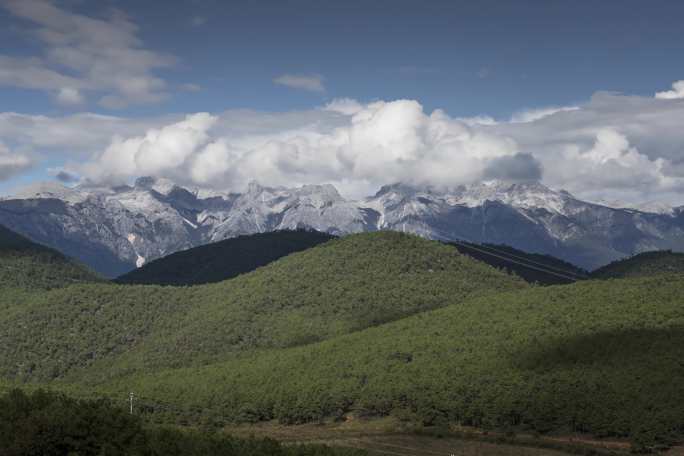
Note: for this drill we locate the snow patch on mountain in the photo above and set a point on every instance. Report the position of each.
(117, 228)
(51, 190)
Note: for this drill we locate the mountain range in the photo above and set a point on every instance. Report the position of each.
(114, 229)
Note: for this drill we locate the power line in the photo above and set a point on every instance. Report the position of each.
(446, 237)
(547, 271)
(527, 260)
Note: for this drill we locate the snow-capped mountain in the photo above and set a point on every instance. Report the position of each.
(114, 229)
(655, 207)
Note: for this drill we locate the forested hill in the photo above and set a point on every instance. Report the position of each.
(643, 264)
(25, 264)
(532, 267)
(224, 259)
(541, 359)
(341, 286)
(376, 324)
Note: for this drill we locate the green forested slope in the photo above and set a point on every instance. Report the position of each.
(223, 260)
(603, 357)
(380, 323)
(643, 264)
(341, 286)
(27, 265)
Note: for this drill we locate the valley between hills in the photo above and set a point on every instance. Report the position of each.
(370, 342)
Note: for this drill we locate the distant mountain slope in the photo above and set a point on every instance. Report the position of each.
(115, 229)
(335, 288)
(25, 264)
(643, 264)
(223, 260)
(532, 267)
(602, 357)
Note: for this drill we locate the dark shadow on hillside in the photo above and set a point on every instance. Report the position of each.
(661, 348)
(612, 383)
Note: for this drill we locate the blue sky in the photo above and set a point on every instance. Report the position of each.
(158, 61)
(485, 57)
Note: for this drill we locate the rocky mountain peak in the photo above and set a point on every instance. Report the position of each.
(51, 190)
(526, 195)
(115, 228)
(254, 188)
(319, 195)
(397, 188)
(159, 185)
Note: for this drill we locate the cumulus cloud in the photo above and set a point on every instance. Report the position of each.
(612, 147)
(611, 163)
(676, 92)
(84, 55)
(158, 151)
(311, 83)
(374, 144)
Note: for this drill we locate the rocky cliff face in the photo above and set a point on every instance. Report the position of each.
(114, 229)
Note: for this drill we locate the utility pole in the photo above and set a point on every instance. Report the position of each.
(130, 400)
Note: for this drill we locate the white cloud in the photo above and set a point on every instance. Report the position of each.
(69, 96)
(612, 147)
(12, 163)
(676, 92)
(611, 164)
(380, 142)
(77, 134)
(212, 162)
(531, 115)
(478, 120)
(346, 106)
(84, 55)
(311, 83)
(31, 73)
(160, 150)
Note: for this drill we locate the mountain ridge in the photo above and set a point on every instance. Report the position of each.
(115, 229)
(223, 260)
(29, 266)
(642, 264)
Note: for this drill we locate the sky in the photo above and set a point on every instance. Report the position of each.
(581, 95)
